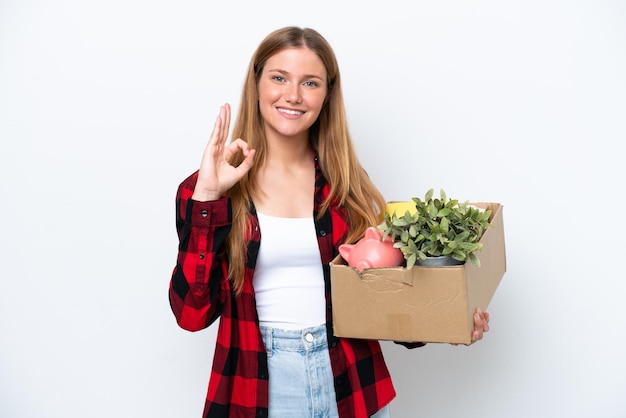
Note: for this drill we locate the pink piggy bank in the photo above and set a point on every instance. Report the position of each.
(371, 251)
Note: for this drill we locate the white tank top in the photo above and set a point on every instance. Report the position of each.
(288, 277)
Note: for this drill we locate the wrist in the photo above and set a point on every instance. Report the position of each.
(200, 196)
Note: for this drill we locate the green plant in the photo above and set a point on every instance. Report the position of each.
(438, 227)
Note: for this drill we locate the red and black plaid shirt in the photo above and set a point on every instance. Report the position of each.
(200, 293)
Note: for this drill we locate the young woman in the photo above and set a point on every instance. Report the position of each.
(259, 223)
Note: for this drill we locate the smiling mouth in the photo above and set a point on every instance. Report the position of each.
(290, 112)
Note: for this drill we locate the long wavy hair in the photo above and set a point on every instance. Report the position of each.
(350, 185)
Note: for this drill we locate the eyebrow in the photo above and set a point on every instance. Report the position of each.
(284, 72)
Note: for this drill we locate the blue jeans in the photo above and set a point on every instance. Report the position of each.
(301, 379)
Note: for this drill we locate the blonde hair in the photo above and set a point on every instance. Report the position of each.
(350, 185)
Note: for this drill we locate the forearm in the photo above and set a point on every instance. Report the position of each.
(201, 274)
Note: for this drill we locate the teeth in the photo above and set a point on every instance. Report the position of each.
(290, 112)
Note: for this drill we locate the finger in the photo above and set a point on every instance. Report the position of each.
(482, 321)
(234, 147)
(478, 319)
(477, 334)
(247, 162)
(486, 322)
(248, 153)
(225, 114)
(215, 140)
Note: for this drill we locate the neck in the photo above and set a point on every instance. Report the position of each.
(288, 152)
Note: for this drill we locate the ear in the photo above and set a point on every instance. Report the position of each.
(345, 250)
(373, 233)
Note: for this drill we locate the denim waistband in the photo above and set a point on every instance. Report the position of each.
(295, 340)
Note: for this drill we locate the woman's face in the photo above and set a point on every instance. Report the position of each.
(292, 89)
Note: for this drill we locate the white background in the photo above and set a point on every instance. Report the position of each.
(105, 106)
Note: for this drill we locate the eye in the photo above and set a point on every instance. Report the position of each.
(278, 78)
(311, 84)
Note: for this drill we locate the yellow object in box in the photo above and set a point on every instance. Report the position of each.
(400, 208)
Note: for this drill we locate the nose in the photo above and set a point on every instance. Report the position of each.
(293, 93)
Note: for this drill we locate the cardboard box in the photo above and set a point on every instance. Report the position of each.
(427, 304)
